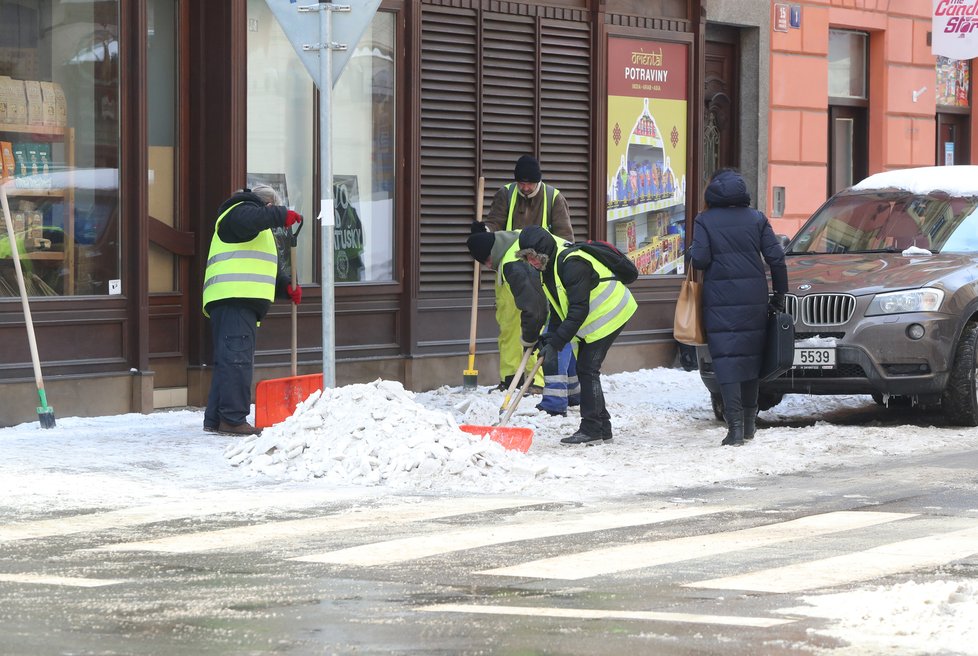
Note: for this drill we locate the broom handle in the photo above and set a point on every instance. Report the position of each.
(475, 280)
(23, 292)
(295, 319)
(516, 378)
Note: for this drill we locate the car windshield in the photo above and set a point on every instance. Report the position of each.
(890, 222)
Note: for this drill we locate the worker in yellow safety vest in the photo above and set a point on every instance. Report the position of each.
(591, 306)
(240, 283)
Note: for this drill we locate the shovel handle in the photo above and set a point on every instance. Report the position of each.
(516, 379)
(519, 395)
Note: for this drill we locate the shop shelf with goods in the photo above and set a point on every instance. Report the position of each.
(646, 201)
(42, 205)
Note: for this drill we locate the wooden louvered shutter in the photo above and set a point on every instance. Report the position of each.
(449, 130)
(502, 86)
(509, 113)
(565, 116)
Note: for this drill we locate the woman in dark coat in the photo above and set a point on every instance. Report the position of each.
(729, 240)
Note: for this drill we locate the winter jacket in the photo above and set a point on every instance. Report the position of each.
(569, 284)
(729, 241)
(523, 282)
(246, 219)
(529, 211)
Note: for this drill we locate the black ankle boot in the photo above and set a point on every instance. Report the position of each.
(750, 426)
(735, 433)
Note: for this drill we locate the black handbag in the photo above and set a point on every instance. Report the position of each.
(779, 346)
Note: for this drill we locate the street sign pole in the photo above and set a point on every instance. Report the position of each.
(326, 215)
(325, 74)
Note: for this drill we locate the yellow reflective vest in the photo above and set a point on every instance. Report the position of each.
(610, 305)
(548, 202)
(245, 270)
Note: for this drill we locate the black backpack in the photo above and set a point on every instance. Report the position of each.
(621, 266)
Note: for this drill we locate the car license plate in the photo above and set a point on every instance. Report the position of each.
(817, 358)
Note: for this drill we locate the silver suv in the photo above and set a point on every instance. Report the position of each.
(883, 288)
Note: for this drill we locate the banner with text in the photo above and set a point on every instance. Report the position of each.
(955, 29)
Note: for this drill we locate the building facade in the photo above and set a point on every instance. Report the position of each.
(855, 90)
(132, 120)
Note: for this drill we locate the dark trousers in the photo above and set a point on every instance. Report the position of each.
(736, 397)
(595, 420)
(233, 329)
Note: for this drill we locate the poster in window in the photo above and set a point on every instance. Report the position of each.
(348, 233)
(282, 242)
(646, 152)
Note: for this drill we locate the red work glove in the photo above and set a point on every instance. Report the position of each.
(295, 293)
(291, 219)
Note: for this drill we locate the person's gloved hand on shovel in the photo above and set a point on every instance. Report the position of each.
(548, 350)
(295, 293)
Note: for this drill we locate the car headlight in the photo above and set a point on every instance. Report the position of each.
(911, 300)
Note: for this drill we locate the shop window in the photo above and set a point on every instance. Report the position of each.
(646, 152)
(363, 158)
(282, 148)
(847, 64)
(953, 111)
(59, 138)
(161, 89)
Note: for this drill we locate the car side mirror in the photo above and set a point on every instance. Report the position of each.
(784, 239)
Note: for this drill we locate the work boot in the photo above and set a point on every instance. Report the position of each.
(750, 422)
(534, 390)
(580, 437)
(552, 413)
(735, 432)
(244, 428)
(209, 428)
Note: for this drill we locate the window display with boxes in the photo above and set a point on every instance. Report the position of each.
(59, 145)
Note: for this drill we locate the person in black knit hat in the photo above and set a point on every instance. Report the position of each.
(521, 307)
(529, 201)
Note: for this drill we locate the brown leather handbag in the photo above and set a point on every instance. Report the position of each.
(687, 326)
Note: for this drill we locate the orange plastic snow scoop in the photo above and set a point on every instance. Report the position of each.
(276, 399)
(511, 437)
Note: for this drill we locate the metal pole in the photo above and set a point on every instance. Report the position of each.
(327, 219)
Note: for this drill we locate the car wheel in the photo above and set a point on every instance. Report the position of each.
(768, 401)
(960, 397)
(717, 402)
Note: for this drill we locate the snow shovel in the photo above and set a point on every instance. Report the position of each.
(45, 413)
(470, 377)
(511, 437)
(516, 379)
(276, 399)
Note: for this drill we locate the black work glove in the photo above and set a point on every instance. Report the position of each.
(478, 226)
(776, 304)
(545, 339)
(528, 343)
(549, 355)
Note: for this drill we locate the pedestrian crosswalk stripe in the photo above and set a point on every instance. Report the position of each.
(599, 614)
(383, 516)
(403, 549)
(887, 559)
(649, 554)
(203, 505)
(66, 581)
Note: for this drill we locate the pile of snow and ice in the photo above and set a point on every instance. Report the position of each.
(905, 619)
(376, 434)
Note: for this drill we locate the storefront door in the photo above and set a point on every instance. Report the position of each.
(170, 246)
(952, 139)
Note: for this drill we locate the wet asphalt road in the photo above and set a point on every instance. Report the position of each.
(241, 595)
